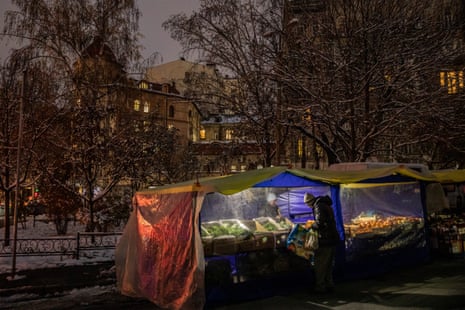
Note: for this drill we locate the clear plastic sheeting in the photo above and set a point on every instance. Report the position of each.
(243, 205)
(260, 202)
(160, 256)
(382, 218)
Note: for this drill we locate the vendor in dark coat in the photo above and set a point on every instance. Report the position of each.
(271, 208)
(328, 238)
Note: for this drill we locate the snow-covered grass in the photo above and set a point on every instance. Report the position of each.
(46, 229)
(42, 227)
(59, 300)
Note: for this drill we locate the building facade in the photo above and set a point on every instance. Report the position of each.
(219, 149)
(169, 108)
(159, 120)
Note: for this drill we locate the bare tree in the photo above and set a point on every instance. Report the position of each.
(359, 79)
(87, 43)
(96, 143)
(22, 78)
(61, 205)
(232, 35)
(365, 76)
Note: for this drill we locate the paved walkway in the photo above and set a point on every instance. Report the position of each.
(439, 284)
(49, 280)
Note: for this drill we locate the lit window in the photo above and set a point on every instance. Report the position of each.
(202, 134)
(144, 85)
(300, 147)
(442, 78)
(136, 105)
(453, 80)
(229, 134)
(146, 107)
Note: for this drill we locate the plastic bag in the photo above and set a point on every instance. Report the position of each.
(296, 241)
(311, 240)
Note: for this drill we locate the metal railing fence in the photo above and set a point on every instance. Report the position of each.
(62, 246)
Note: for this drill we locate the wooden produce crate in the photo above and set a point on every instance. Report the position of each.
(264, 240)
(223, 245)
(246, 245)
(280, 231)
(259, 241)
(280, 239)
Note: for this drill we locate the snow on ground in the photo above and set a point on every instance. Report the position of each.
(71, 299)
(83, 295)
(46, 229)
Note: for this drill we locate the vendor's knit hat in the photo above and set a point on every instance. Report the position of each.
(309, 199)
(271, 197)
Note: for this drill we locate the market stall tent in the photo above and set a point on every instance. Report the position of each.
(453, 183)
(447, 226)
(449, 175)
(161, 257)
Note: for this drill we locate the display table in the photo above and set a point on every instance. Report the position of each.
(447, 234)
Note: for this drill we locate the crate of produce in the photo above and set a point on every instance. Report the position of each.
(224, 245)
(265, 224)
(264, 240)
(270, 224)
(280, 239)
(283, 224)
(246, 245)
(258, 241)
(251, 225)
(214, 229)
(239, 228)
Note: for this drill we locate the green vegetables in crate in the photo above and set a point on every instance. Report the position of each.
(269, 226)
(276, 224)
(217, 230)
(236, 229)
(284, 225)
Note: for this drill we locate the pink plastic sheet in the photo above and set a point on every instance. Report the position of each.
(158, 257)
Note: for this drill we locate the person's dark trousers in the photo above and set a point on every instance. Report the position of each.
(324, 262)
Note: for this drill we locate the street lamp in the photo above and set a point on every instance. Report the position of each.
(18, 164)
